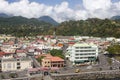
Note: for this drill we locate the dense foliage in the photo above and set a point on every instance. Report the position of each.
(114, 49)
(20, 26)
(90, 27)
(58, 53)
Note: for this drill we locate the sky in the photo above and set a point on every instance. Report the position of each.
(61, 10)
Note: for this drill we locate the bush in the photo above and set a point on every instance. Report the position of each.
(2, 76)
(13, 75)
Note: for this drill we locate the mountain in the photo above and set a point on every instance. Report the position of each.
(48, 20)
(90, 27)
(20, 26)
(115, 18)
(43, 18)
(4, 15)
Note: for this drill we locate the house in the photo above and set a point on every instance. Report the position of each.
(82, 52)
(64, 39)
(4, 55)
(53, 61)
(38, 52)
(21, 53)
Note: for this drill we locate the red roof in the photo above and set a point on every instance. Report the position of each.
(71, 38)
(2, 53)
(71, 43)
(9, 53)
(54, 59)
(20, 51)
(38, 50)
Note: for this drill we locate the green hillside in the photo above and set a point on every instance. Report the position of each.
(20, 26)
(90, 27)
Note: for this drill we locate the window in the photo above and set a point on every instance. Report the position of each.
(13, 65)
(9, 65)
(4, 66)
(18, 59)
(18, 63)
(18, 67)
(76, 54)
(93, 53)
(77, 47)
(76, 57)
(76, 50)
(81, 54)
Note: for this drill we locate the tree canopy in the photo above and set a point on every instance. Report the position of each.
(20, 26)
(58, 53)
(90, 27)
(114, 49)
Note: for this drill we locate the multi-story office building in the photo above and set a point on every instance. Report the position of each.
(83, 52)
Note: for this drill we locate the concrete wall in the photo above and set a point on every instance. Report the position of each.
(88, 75)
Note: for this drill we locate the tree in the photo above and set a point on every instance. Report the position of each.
(39, 59)
(114, 49)
(58, 53)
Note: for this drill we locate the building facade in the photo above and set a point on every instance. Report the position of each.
(83, 52)
(16, 64)
(53, 62)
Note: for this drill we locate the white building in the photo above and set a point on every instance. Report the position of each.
(16, 64)
(83, 52)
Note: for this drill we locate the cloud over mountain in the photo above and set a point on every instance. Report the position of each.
(61, 12)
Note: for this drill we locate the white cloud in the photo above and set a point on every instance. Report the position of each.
(93, 5)
(61, 12)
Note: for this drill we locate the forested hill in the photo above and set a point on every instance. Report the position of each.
(90, 27)
(20, 26)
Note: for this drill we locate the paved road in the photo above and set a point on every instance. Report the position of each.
(47, 78)
(103, 62)
(35, 62)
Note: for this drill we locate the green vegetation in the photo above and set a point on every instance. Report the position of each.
(20, 26)
(90, 27)
(39, 59)
(117, 58)
(13, 75)
(58, 53)
(114, 49)
(2, 76)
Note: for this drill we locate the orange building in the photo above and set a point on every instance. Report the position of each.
(53, 61)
